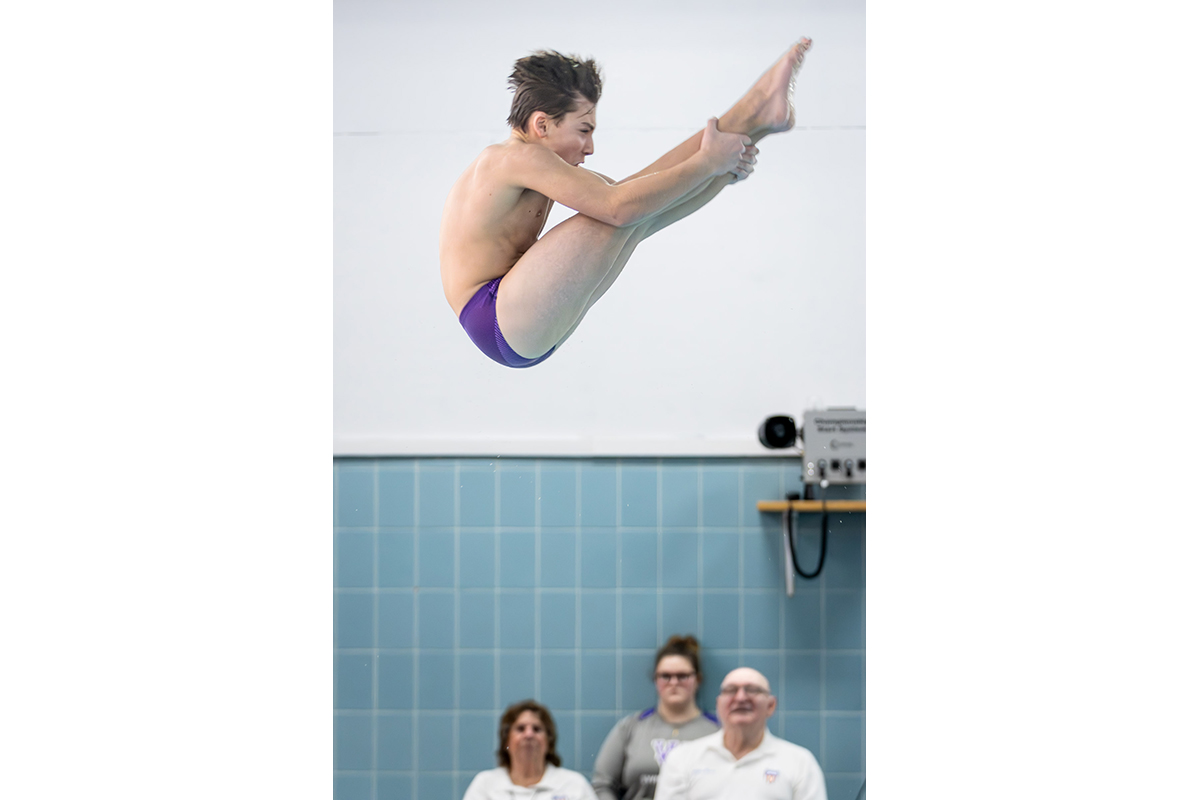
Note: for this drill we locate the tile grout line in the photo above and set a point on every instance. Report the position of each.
(375, 631)
(702, 535)
(578, 612)
(336, 602)
(455, 632)
(699, 566)
(496, 588)
(824, 642)
(537, 580)
(414, 753)
(659, 628)
(738, 646)
(618, 585)
(782, 631)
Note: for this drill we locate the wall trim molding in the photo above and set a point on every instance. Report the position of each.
(582, 446)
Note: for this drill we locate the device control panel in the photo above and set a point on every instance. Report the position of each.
(835, 446)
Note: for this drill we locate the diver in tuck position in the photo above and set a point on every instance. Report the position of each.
(499, 276)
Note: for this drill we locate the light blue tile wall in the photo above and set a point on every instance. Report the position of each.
(463, 585)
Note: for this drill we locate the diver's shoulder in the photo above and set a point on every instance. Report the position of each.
(508, 160)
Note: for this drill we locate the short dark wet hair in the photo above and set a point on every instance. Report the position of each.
(509, 718)
(551, 82)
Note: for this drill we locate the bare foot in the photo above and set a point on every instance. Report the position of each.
(767, 107)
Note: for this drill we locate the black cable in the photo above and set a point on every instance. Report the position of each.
(824, 540)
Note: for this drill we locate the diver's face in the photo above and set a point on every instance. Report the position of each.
(571, 136)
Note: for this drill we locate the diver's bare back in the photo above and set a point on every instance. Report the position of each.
(488, 223)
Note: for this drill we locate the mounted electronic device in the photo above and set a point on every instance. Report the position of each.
(833, 450)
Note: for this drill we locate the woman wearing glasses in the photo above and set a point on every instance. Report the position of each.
(628, 763)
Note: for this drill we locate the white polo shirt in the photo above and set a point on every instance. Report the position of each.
(556, 784)
(775, 770)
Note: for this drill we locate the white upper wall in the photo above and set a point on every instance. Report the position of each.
(752, 306)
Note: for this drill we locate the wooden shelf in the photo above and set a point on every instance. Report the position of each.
(834, 506)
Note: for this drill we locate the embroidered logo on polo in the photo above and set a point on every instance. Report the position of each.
(663, 748)
(771, 775)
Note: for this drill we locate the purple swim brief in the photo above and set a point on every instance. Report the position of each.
(478, 319)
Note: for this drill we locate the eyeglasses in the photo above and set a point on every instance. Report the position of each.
(751, 691)
(678, 677)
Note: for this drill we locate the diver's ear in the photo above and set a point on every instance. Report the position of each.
(539, 124)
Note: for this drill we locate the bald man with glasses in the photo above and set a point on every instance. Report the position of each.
(742, 761)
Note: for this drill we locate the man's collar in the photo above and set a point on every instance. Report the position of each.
(766, 745)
